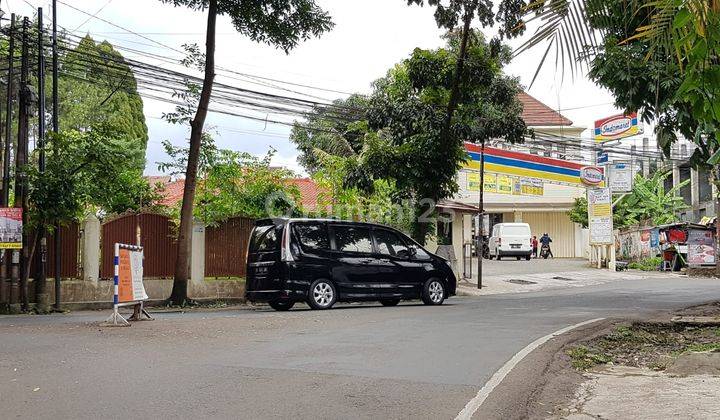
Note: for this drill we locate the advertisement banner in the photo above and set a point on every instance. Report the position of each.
(600, 216)
(130, 276)
(620, 177)
(11, 228)
(617, 127)
(491, 184)
(701, 250)
(505, 184)
(532, 187)
(473, 181)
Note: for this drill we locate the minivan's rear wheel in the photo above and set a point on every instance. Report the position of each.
(322, 295)
(389, 302)
(281, 305)
(433, 292)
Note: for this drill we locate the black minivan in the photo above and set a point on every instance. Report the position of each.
(326, 261)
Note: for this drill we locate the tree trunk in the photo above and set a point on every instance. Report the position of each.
(455, 90)
(716, 179)
(179, 294)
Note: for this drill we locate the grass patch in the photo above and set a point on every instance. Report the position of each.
(649, 345)
(648, 264)
(582, 358)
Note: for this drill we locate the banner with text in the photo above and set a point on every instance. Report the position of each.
(600, 216)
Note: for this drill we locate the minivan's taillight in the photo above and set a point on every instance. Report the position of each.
(285, 254)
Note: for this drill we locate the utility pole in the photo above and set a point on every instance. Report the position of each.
(20, 161)
(41, 258)
(481, 217)
(8, 116)
(56, 130)
(5, 197)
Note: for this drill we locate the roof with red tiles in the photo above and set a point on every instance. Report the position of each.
(536, 113)
(309, 192)
(170, 190)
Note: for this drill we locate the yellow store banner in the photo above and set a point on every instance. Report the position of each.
(491, 183)
(505, 184)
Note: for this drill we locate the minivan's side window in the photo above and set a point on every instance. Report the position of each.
(352, 239)
(388, 243)
(312, 236)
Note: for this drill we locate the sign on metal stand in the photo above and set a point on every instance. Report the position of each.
(129, 289)
(620, 177)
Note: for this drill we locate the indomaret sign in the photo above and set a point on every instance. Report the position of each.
(617, 127)
(519, 166)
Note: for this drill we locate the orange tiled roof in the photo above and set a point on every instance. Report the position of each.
(309, 191)
(536, 113)
(171, 191)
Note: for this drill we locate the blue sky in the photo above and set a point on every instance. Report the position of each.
(370, 36)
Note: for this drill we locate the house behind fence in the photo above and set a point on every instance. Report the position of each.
(218, 259)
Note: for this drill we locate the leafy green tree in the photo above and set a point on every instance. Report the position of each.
(234, 184)
(97, 87)
(282, 23)
(341, 200)
(85, 172)
(650, 203)
(338, 130)
(408, 110)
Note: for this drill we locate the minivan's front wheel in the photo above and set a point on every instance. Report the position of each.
(433, 292)
(281, 305)
(322, 295)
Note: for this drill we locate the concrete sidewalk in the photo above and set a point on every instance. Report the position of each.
(530, 276)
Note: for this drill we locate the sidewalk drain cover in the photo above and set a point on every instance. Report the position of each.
(516, 281)
(562, 278)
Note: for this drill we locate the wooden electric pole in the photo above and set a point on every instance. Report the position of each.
(56, 130)
(41, 257)
(20, 162)
(5, 196)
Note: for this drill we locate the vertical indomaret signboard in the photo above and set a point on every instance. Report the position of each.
(600, 216)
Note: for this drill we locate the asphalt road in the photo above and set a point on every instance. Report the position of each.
(357, 361)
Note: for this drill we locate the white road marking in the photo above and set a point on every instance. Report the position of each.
(473, 405)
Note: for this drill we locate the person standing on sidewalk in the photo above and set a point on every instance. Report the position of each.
(534, 247)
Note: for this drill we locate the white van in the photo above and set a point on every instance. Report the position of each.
(511, 240)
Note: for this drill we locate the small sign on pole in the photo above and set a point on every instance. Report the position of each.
(128, 289)
(620, 177)
(11, 228)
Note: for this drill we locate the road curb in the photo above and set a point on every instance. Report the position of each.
(510, 391)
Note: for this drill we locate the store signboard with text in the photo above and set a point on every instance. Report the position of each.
(600, 216)
(617, 127)
(523, 166)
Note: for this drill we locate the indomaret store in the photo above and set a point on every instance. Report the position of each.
(528, 183)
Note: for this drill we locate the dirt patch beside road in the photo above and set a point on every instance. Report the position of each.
(595, 372)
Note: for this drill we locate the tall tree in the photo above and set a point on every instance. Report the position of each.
(402, 137)
(97, 87)
(409, 106)
(281, 23)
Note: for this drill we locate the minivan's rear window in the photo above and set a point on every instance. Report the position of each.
(312, 236)
(352, 239)
(265, 238)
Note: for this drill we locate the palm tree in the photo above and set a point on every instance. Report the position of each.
(672, 27)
